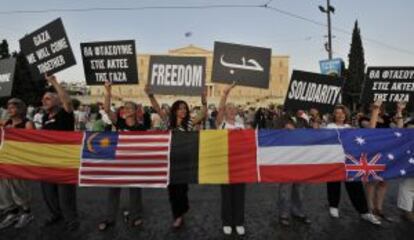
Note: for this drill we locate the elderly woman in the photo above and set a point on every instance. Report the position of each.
(232, 195)
(14, 193)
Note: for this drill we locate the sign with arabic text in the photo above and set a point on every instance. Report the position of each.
(245, 65)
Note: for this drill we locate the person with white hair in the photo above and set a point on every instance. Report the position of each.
(232, 195)
(15, 193)
(60, 198)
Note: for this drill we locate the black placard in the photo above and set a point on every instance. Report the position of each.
(115, 61)
(7, 67)
(311, 90)
(177, 75)
(389, 84)
(47, 49)
(245, 65)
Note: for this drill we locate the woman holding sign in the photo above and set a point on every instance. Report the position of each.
(178, 119)
(128, 122)
(232, 195)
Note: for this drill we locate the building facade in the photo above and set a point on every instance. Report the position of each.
(279, 82)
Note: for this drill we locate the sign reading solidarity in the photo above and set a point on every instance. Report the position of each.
(311, 90)
(115, 61)
(47, 49)
(389, 84)
(245, 65)
(177, 75)
(7, 67)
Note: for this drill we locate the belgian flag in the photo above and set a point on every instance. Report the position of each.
(213, 157)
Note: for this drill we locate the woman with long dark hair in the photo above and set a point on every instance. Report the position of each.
(179, 120)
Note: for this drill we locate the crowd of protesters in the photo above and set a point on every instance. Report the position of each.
(59, 113)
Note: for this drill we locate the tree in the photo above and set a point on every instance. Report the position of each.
(25, 87)
(354, 77)
(4, 49)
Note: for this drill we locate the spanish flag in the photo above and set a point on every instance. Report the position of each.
(51, 156)
(213, 157)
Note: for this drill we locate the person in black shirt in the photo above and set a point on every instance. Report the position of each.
(60, 198)
(127, 122)
(179, 119)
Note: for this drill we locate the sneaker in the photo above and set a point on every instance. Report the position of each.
(334, 212)
(240, 230)
(9, 220)
(370, 218)
(379, 214)
(23, 220)
(227, 230)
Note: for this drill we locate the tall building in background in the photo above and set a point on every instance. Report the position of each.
(279, 82)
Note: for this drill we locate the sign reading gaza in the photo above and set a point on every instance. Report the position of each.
(47, 49)
(177, 75)
(389, 84)
(310, 90)
(7, 67)
(115, 61)
(245, 65)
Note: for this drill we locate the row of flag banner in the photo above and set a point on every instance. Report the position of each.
(159, 158)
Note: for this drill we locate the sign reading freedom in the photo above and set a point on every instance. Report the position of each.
(311, 90)
(177, 75)
(115, 61)
(47, 50)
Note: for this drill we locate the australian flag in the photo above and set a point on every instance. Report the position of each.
(378, 154)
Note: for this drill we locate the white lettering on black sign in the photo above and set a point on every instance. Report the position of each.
(177, 75)
(47, 50)
(114, 61)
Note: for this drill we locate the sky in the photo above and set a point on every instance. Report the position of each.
(386, 27)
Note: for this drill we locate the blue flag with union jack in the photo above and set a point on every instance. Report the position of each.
(378, 154)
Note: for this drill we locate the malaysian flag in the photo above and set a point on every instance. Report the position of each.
(125, 159)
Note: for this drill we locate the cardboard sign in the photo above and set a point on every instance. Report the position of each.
(7, 67)
(47, 49)
(115, 61)
(245, 65)
(389, 84)
(311, 90)
(177, 75)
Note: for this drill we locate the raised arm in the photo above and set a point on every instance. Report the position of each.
(375, 113)
(203, 114)
(107, 102)
(63, 95)
(154, 103)
(399, 116)
(222, 104)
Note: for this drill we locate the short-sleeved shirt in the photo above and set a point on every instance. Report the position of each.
(61, 121)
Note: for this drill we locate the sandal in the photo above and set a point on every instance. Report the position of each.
(105, 225)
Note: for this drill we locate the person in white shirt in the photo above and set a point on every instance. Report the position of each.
(340, 120)
(232, 195)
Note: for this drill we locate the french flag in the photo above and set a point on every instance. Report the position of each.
(300, 155)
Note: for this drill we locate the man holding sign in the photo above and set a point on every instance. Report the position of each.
(47, 50)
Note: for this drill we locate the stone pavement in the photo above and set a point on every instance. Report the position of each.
(203, 219)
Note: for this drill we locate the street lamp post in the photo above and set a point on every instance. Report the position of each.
(328, 10)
